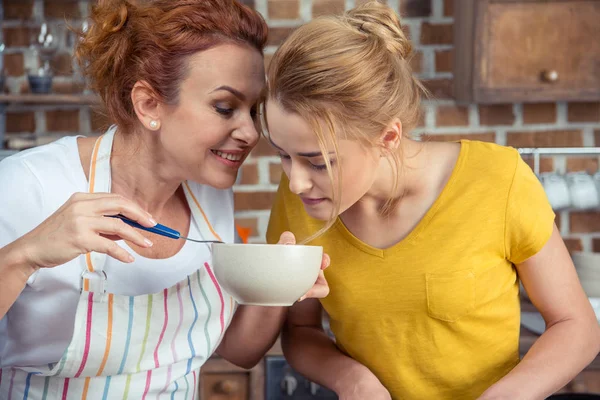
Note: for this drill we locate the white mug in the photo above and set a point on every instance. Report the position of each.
(582, 188)
(556, 190)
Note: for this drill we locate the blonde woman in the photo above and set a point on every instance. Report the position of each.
(91, 308)
(428, 241)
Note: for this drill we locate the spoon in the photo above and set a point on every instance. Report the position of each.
(160, 230)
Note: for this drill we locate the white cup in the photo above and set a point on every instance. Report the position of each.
(582, 188)
(556, 189)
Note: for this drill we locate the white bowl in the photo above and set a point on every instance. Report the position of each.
(266, 274)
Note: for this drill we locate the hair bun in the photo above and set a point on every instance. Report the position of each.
(116, 16)
(379, 20)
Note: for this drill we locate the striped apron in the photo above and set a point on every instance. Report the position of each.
(132, 347)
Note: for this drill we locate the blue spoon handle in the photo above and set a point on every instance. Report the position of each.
(158, 229)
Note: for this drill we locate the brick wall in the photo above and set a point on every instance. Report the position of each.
(430, 25)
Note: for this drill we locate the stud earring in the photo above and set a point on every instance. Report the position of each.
(154, 124)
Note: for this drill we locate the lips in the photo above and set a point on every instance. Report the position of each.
(234, 156)
(311, 202)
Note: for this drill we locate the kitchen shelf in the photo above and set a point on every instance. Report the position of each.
(41, 99)
(537, 152)
(77, 99)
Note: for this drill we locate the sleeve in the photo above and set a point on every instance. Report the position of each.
(21, 202)
(21, 207)
(529, 219)
(278, 221)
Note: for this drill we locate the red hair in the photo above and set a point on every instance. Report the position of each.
(151, 42)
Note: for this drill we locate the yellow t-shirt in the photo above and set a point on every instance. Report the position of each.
(437, 315)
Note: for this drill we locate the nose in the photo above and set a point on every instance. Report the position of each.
(300, 181)
(246, 133)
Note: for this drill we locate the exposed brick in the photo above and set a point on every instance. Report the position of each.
(436, 33)
(497, 114)
(448, 8)
(275, 171)
(539, 113)
(584, 112)
(99, 120)
(573, 244)
(452, 116)
(18, 9)
(453, 137)
(415, 8)
(444, 60)
(327, 7)
(249, 174)
(248, 223)
(254, 200)
(563, 138)
(416, 62)
(20, 121)
(439, 88)
(61, 9)
(62, 121)
(584, 222)
(596, 245)
(587, 164)
(62, 64)
(17, 36)
(278, 35)
(546, 163)
(284, 9)
(263, 148)
(14, 64)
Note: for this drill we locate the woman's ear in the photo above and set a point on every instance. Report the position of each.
(391, 136)
(146, 105)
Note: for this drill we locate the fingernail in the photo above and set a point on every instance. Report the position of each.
(152, 221)
(148, 242)
(301, 298)
(130, 258)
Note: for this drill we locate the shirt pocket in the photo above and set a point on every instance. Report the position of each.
(450, 295)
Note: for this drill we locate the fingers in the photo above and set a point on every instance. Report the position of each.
(287, 238)
(100, 204)
(120, 205)
(116, 227)
(319, 290)
(110, 248)
(326, 261)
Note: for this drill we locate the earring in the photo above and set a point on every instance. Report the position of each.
(153, 124)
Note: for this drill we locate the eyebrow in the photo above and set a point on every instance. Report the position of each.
(231, 90)
(308, 155)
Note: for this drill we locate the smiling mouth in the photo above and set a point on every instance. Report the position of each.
(228, 156)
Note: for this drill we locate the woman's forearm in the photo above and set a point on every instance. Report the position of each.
(565, 349)
(314, 355)
(14, 272)
(252, 332)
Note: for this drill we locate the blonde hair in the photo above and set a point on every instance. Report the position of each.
(352, 73)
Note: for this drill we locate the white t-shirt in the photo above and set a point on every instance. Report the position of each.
(33, 185)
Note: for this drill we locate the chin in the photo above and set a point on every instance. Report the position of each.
(222, 183)
(322, 215)
(218, 180)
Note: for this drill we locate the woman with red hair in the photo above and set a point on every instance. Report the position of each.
(91, 307)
